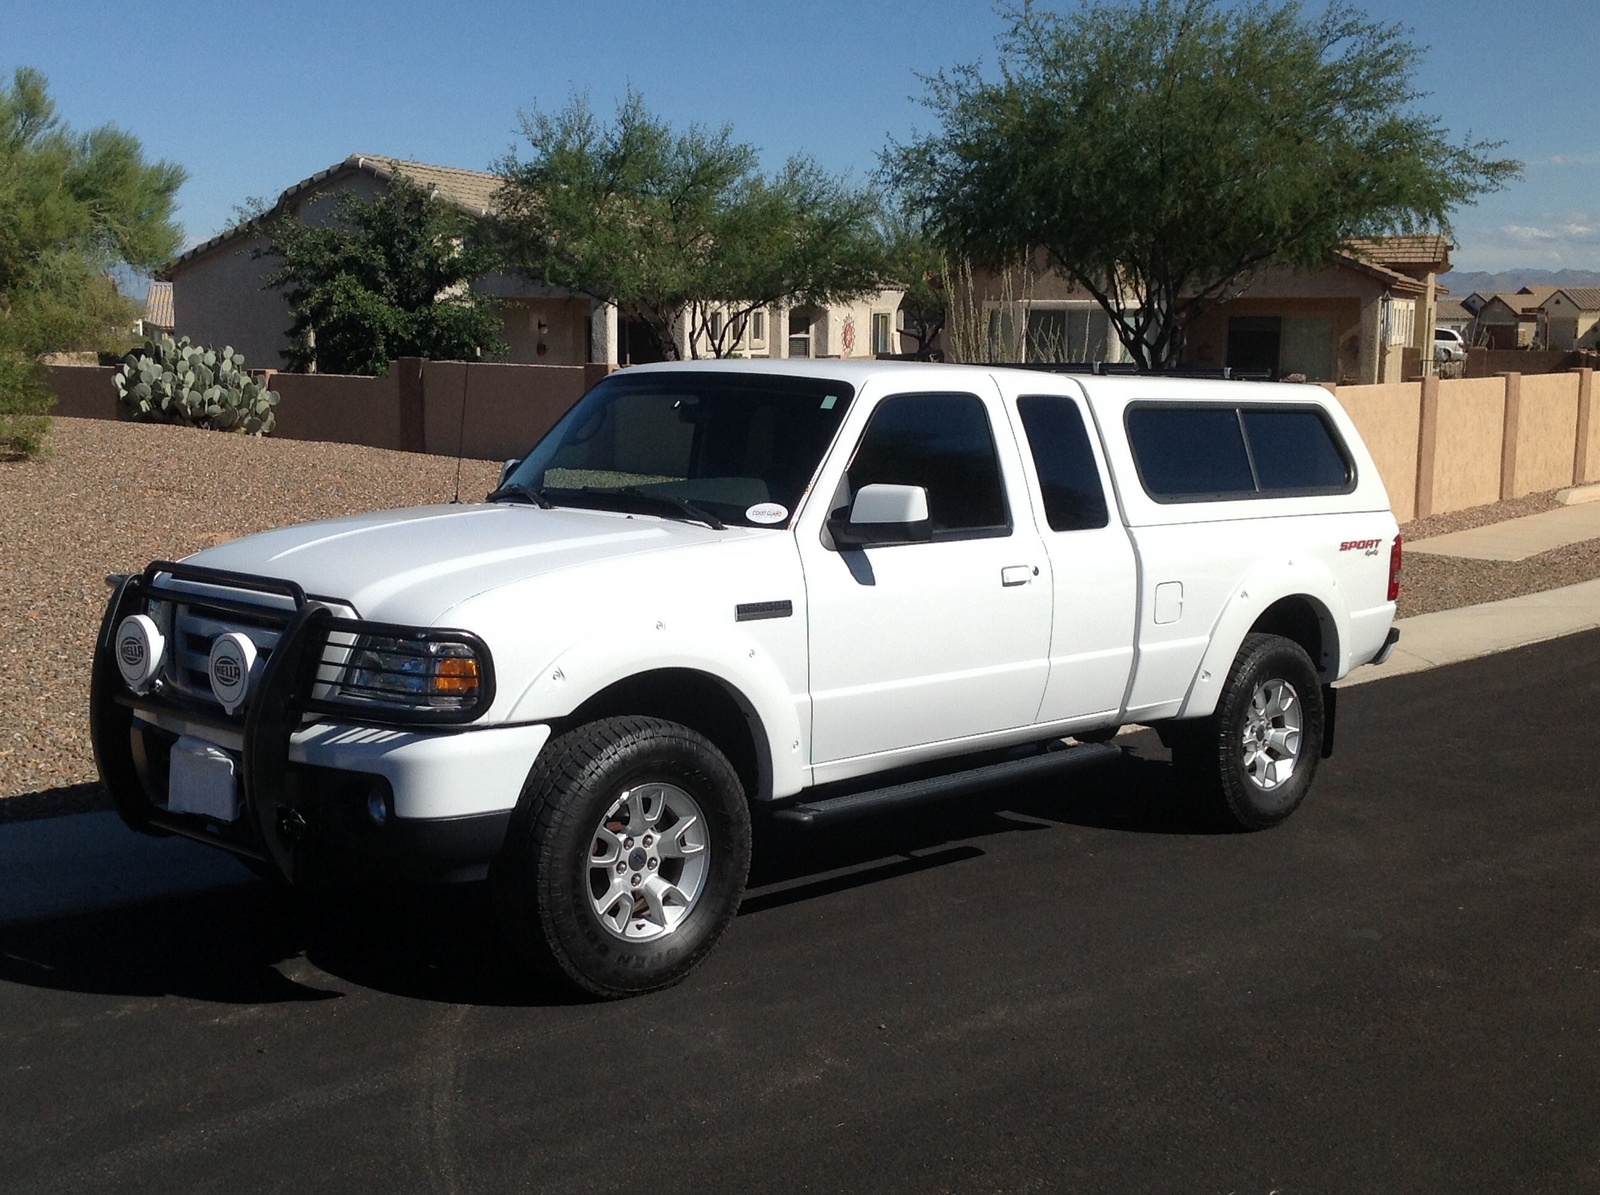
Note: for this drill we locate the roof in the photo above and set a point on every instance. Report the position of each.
(158, 305)
(472, 191)
(1524, 302)
(1452, 309)
(1584, 298)
(1393, 279)
(1429, 249)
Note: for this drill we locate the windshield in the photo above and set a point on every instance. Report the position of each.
(741, 447)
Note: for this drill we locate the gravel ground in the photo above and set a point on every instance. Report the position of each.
(110, 497)
(1431, 583)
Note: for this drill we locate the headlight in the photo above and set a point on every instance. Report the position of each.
(420, 673)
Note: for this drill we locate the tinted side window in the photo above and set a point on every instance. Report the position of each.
(1074, 497)
(1295, 450)
(941, 442)
(1195, 452)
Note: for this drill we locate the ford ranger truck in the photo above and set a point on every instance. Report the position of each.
(808, 589)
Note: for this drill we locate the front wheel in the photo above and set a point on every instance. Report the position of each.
(626, 858)
(1254, 758)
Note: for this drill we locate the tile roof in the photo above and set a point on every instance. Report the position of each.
(1525, 301)
(158, 306)
(1585, 298)
(470, 190)
(1393, 279)
(1422, 250)
(1452, 309)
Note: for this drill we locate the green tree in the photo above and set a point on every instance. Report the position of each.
(680, 230)
(385, 278)
(920, 268)
(1163, 151)
(73, 207)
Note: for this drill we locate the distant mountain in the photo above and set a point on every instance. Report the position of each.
(1463, 282)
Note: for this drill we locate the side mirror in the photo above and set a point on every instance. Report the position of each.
(882, 516)
(506, 470)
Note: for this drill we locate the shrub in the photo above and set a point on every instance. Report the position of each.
(25, 404)
(176, 382)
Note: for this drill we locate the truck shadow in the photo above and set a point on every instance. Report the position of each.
(252, 944)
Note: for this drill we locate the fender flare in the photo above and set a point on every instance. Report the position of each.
(742, 666)
(1251, 598)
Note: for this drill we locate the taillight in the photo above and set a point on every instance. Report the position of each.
(1394, 571)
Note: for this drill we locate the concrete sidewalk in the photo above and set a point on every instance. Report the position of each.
(1449, 636)
(1517, 539)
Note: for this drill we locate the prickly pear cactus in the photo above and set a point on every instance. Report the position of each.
(175, 382)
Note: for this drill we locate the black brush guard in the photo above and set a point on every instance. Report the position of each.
(273, 827)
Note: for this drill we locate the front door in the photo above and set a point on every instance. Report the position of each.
(926, 642)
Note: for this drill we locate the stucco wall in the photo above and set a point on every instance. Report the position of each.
(508, 407)
(338, 408)
(1547, 423)
(1466, 467)
(84, 391)
(565, 336)
(218, 300)
(1389, 419)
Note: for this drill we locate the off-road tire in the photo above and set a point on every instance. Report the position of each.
(1211, 752)
(541, 880)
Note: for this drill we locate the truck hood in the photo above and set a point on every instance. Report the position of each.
(414, 565)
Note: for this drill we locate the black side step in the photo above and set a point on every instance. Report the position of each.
(914, 792)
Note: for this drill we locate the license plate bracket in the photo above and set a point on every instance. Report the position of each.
(203, 779)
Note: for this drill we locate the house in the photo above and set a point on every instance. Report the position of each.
(1360, 319)
(219, 295)
(1572, 318)
(1453, 314)
(1511, 319)
(157, 319)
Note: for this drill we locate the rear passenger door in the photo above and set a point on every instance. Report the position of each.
(922, 643)
(1092, 564)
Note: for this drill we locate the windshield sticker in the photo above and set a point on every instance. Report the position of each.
(767, 512)
(827, 403)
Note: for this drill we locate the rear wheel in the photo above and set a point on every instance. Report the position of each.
(627, 856)
(1254, 758)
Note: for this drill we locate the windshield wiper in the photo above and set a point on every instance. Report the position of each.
(528, 492)
(677, 505)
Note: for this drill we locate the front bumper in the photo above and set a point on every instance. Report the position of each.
(321, 798)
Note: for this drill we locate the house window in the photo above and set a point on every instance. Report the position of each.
(1076, 333)
(799, 334)
(880, 332)
(716, 326)
(758, 327)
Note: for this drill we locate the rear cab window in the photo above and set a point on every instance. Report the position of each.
(1212, 453)
(1069, 480)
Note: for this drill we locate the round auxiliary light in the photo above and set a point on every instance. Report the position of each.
(139, 648)
(232, 657)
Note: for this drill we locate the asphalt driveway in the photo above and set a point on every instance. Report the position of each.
(1042, 989)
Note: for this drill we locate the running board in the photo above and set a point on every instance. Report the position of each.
(1012, 771)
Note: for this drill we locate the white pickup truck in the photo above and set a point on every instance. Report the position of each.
(809, 589)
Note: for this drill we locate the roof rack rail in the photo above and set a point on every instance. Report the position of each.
(1130, 369)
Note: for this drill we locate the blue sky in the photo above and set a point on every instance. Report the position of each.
(250, 98)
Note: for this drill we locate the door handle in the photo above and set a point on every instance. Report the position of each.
(1017, 574)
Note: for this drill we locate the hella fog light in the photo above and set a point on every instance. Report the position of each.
(233, 656)
(139, 648)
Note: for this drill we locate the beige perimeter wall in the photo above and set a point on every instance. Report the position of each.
(338, 408)
(1547, 425)
(1389, 418)
(1466, 465)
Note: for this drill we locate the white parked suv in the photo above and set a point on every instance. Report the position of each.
(1448, 345)
(718, 588)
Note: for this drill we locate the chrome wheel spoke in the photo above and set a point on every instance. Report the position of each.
(682, 840)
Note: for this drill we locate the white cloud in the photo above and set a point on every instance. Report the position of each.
(1551, 240)
(1574, 159)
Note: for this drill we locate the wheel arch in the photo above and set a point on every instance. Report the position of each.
(1309, 614)
(703, 702)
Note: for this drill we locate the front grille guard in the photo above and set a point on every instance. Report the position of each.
(271, 829)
